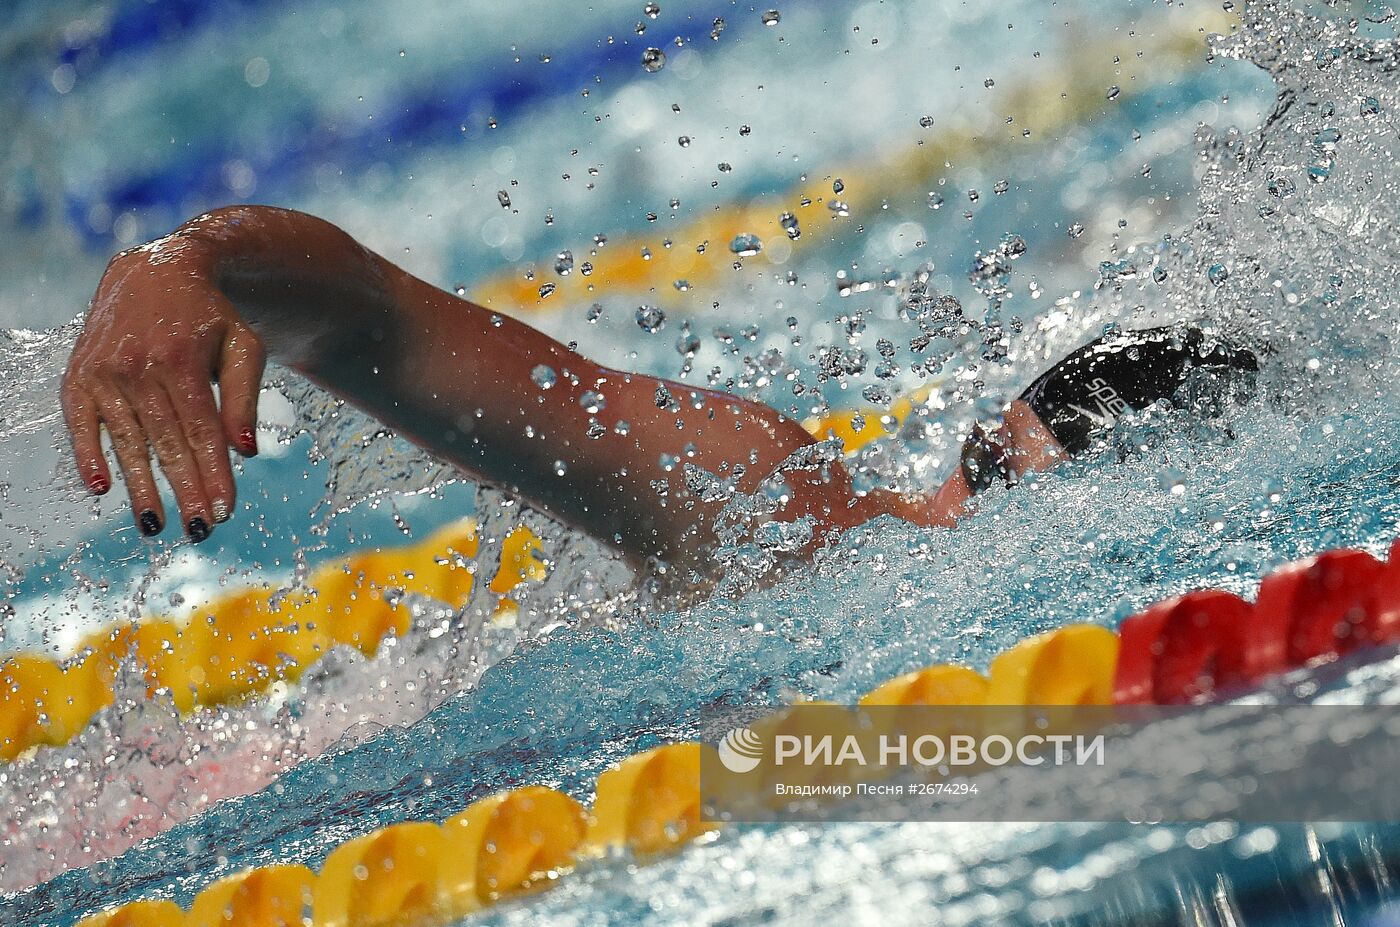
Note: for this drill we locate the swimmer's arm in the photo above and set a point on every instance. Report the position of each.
(208, 301)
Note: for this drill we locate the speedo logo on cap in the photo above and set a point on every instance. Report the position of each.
(1102, 405)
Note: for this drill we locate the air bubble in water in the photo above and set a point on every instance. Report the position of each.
(789, 223)
(650, 318)
(653, 60)
(746, 244)
(564, 263)
(544, 376)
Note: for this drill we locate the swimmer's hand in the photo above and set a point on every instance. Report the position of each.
(158, 334)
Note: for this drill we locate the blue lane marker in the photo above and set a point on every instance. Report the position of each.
(430, 116)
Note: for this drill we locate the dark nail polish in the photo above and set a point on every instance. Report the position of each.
(198, 529)
(150, 523)
(248, 442)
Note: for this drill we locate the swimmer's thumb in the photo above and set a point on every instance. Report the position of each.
(240, 377)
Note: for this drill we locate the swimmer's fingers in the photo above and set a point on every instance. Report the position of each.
(166, 437)
(240, 377)
(193, 401)
(84, 428)
(1032, 445)
(129, 444)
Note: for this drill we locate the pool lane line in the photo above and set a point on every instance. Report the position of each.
(699, 251)
(431, 114)
(511, 843)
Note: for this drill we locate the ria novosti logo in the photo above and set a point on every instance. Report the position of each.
(741, 750)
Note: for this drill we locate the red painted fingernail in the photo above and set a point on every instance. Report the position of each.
(99, 484)
(248, 442)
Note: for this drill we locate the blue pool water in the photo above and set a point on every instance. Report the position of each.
(136, 115)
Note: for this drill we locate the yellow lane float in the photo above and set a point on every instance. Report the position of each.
(511, 842)
(650, 803)
(156, 913)
(395, 875)
(270, 896)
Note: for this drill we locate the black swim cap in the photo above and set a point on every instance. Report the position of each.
(1090, 389)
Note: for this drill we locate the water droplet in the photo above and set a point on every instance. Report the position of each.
(1113, 92)
(789, 223)
(681, 285)
(595, 312)
(546, 290)
(688, 344)
(935, 199)
(745, 130)
(586, 268)
(746, 244)
(1370, 106)
(683, 141)
(1012, 245)
(1000, 187)
(504, 198)
(544, 376)
(989, 83)
(560, 468)
(772, 18)
(1075, 230)
(717, 28)
(650, 318)
(592, 402)
(838, 186)
(1327, 139)
(653, 60)
(1281, 187)
(1159, 274)
(1218, 274)
(839, 208)
(460, 290)
(926, 121)
(652, 10)
(724, 167)
(564, 263)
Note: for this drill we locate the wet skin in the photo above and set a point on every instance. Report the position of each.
(232, 288)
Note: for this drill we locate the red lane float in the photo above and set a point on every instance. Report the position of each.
(1324, 606)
